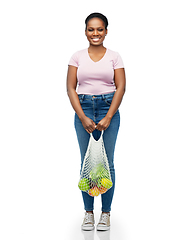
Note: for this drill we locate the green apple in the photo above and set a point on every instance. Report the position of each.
(84, 184)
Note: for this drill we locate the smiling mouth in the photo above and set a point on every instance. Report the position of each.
(95, 39)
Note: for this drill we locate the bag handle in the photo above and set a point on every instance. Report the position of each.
(91, 134)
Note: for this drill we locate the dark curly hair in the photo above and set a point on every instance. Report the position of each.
(97, 15)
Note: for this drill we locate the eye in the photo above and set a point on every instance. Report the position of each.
(100, 29)
(90, 30)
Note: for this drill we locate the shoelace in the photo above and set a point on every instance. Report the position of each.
(104, 218)
(88, 218)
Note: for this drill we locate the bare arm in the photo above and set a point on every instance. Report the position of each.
(87, 123)
(120, 82)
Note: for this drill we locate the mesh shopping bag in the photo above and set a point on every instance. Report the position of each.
(95, 177)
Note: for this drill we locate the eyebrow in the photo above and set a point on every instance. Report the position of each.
(96, 27)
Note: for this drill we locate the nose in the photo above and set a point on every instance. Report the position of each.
(95, 32)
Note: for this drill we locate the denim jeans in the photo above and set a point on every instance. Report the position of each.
(96, 107)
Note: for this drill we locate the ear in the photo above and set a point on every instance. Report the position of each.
(106, 31)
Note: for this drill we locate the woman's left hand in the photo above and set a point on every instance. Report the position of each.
(103, 124)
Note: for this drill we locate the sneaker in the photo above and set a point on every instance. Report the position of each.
(88, 223)
(104, 222)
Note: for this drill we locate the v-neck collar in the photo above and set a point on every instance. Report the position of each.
(99, 59)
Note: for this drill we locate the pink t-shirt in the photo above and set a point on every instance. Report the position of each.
(96, 78)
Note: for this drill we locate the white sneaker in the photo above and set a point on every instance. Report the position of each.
(88, 223)
(104, 222)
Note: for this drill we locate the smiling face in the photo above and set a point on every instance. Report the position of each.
(96, 31)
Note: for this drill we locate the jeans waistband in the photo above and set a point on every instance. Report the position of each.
(102, 96)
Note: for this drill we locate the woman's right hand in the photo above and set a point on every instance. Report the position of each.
(88, 124)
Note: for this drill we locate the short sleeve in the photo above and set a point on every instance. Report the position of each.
(118, 62)
(74, 60)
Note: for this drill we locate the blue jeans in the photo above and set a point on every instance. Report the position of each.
(96, 107)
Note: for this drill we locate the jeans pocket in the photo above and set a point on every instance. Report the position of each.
(108, 101)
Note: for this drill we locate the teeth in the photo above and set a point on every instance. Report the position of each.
(95, 39)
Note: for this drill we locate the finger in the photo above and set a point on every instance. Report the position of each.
(102, 128)
(93, 129)
(94, 125)
(88, 130)
(98, 127)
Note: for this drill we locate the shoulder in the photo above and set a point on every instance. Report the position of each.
(116, 58)
(79, 53)
(113, 53)
(75, 58)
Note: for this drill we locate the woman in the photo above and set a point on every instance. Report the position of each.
(95, 86)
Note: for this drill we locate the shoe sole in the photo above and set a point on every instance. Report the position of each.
(101, 228)
(89, 228)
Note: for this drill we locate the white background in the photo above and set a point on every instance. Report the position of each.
(39, 154)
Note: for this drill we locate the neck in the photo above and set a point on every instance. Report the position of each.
(96, 49)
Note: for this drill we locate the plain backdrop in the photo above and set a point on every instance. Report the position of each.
(39, 154)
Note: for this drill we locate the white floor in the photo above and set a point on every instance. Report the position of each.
(142, 217)
(117, 231)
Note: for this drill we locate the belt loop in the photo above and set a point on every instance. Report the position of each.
(83, 97)
(103, 97)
